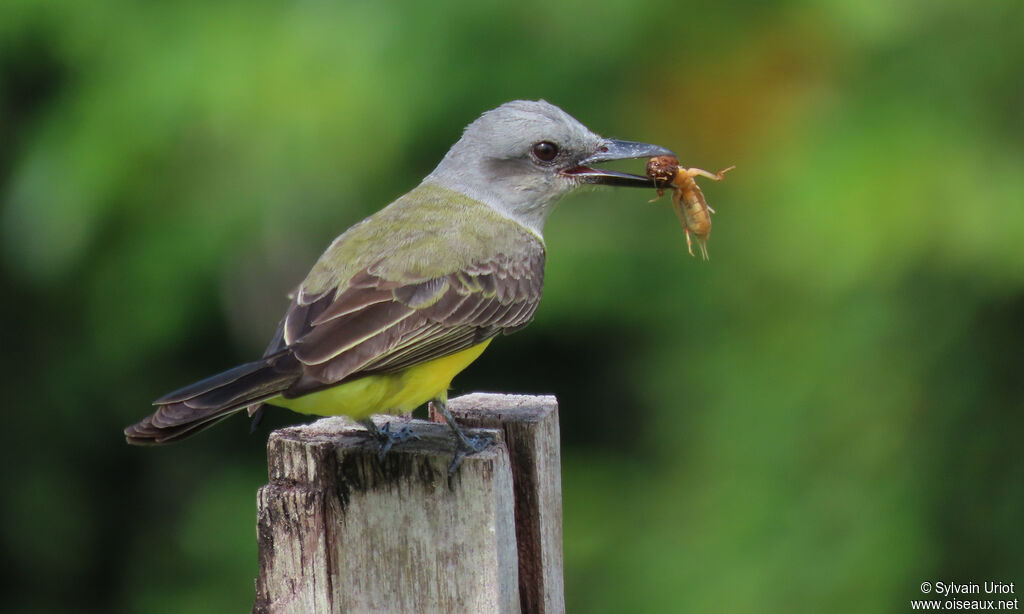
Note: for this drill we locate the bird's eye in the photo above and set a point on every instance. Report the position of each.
(545, 151)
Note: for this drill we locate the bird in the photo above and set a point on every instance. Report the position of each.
(404, 300)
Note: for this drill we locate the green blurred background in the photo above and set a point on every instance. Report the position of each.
(825, 415)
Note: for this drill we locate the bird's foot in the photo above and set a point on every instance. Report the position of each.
(386, 438)
(464, 446)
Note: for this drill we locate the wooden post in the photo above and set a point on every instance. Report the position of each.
(339, 531)
(530, 427)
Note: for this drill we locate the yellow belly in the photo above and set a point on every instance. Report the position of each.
(392, 393)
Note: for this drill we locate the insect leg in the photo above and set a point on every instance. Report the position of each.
(693, 172)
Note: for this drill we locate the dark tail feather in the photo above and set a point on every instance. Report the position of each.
(193, 408)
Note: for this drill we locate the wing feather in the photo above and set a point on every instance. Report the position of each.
(339, 335)
(375, 325)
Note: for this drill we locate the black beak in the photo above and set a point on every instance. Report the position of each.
(610, 150)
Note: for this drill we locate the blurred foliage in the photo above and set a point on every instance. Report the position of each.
(819, 419)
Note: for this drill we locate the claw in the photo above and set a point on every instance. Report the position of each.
(386, 438)
(402, 435)
(464, 446)
(456, 461)
(479, 444)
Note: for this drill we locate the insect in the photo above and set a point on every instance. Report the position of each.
(687, 199)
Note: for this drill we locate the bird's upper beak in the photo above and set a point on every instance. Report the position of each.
(612, 149)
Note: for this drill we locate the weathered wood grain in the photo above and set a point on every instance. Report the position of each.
(530, 427)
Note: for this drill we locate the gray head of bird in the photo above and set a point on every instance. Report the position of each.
(521, 157)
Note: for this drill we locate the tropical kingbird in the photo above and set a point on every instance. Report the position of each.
(407, 298)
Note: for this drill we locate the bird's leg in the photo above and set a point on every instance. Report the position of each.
(385, 437)
(464, 446)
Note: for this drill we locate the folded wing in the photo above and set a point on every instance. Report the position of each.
(376, 325)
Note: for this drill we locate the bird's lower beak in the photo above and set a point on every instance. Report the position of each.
(610, 150)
